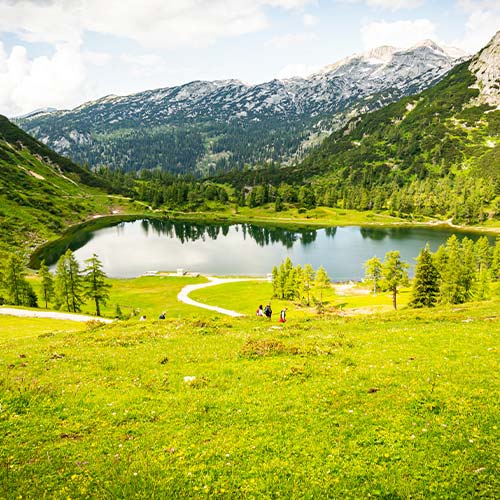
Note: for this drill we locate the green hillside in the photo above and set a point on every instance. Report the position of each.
(431, 135)
(403, 405)
(41, 192)
(435, 154)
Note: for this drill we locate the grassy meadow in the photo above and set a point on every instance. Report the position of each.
(392, 405)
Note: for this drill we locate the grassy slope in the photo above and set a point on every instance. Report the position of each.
(393, 405)
(40, 191)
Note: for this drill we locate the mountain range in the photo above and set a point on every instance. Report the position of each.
(207, 126)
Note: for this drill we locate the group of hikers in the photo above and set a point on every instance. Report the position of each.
(268, 312)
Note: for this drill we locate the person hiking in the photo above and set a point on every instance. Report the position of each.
(283, 315)
(259, 311)
(268, 312)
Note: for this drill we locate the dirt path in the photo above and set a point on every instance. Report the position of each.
(11, 311)
(183, 295)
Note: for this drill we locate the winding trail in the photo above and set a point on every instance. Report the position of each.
(28, 313)
(183, 295)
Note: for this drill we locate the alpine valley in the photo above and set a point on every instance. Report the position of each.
(204, 127)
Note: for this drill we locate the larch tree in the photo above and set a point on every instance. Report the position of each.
(47, 283)
(95, 287)
(19, 290)
(68, 282)
(308, 278)
(373, 272)
(394, 274)
(322, 282)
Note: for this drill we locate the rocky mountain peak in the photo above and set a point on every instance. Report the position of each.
(486, 68)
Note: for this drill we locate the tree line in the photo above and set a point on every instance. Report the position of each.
(458, 272)
(68, 288)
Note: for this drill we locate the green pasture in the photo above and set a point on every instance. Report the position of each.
(19, 329)
(246, 296)
(397, 405)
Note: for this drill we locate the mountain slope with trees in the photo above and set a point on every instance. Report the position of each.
(41, 192)
(433, 154)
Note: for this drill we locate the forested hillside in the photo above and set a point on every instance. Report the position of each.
(40, 191)
(434, 154)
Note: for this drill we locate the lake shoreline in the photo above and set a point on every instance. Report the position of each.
(101, 221)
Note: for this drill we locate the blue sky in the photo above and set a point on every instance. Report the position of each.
(61, 53)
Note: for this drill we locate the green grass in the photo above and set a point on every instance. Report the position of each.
(148, 295)
(246, 296)
(398, 405)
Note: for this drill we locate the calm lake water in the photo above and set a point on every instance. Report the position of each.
(129, 249)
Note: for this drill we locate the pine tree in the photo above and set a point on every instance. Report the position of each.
(47, 284)
(373, 272)
(425, 289)
(68, 282)
(94, 284)
(394, 274)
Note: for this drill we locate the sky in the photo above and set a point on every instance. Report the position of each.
(61, 53)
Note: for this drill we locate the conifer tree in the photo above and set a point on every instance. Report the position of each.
(425, 289)
(13, 279)
(19, 290)
(373, 272)
(322, 281)
(275, 277)
(68, 282)
(394, 274)
(308, 277)
(454, 276)
(495, 261)
(94, 285)
(47, 284)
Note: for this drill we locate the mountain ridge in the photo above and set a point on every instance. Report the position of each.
(227, 122)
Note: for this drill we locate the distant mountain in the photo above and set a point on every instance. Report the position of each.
(40, 191)
(203, 126)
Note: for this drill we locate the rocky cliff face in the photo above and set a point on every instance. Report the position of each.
(486, 67)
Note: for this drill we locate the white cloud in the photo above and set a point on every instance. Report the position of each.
(290, 39)
(96, 58)
(395, 4)
(27, 84)
(310, 20)
(302, 70)
(397, 33)
(482, 23)
(142, 59)
(162, 24)
(387, 4)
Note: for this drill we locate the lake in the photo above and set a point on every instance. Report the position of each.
(129, 249)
